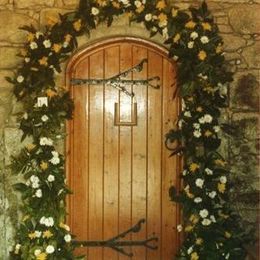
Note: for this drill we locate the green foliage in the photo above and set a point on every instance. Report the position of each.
(212, 230)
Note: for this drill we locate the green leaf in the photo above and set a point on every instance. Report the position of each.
(187, 89)
(20, 187)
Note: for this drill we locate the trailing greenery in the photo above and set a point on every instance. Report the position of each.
(211, 229)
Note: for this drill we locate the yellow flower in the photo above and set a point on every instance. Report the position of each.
(30, 147)
(188, 228)
(68, 37)
(206, 26)
(220, 162)
(193, 167)
(194, 256)
(190, 25)
(101, 2)
(51, 93)
(199, 241)
(30, 37)
(140, 9)
(52, 21)
(176, 37)
(32, 235)
(194, 219)
(199, 109)
(208, 133)
(221, 187)
(161, 5)
(162, 17)
(44, 165)
(43, 61)
(116, 5)
(219, 49)
(56, 47)
(202, 55)
(41, 256)
(129, 14)
(174, 12)
(47, 234)
(227, 234)
(77, 25)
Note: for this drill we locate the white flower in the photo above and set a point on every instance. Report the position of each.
(38, 193)
(208, 118)
(197, 133)
(37, 252)
(48, 222)
(163, 24)
(94, 11)
(50, 249)
(227, 256)
(190, 45)
(154, 29)
(206, 222)
(55, 160)
(187, 114)
(199, 182)
(42, 220)
(138, 4)
(18, 246)
(38, 34)
(209, 171)
(180, 122)
(47, 43)
(184, 173)
(144, 2)
(194, 35)
(35, 185)
(202, 120)
(65, 44)
(189, 251)
(179, 228)
(183, 105)
(125, 2)
(148, 17)
(196, 125)
(204, 213)
(216, 128)
(46, 141)
(175, 58)
(51, 178)
(212, 218)
(38, 233)
(33, 45)
(222, 89)
(223, 179)
(55, 154)
(44, 118)
(204, 39)
(34, 179)
(27, 59)
(67, 238)
(212, 194)
(205, 77)
(20, 79)
(198, 200)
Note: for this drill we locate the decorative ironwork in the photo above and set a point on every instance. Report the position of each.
(118, 245)
(117, 81)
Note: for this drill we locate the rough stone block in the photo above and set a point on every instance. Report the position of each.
(232, 42)
(251, 55)
(48, 13)
(32, 3)
(3, 2)
(8, 58)
(11, 33)
(244, 18)
(71, 3)
(245, 91)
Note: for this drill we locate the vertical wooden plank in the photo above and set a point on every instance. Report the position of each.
(95, 201)
(139, 150)
(125, 155)
(111, 68)
(154, 134)
(79, 182)
(169, 240)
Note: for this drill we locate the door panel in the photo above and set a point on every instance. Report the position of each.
(121, 174)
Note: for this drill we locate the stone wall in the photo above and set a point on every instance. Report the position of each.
(239, 25)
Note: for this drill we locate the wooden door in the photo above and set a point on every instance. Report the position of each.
(121, 174)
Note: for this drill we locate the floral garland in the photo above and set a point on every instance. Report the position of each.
(211, 229)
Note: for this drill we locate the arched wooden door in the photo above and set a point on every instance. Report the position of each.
(121, 174)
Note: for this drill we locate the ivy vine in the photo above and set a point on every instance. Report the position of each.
(212, 229)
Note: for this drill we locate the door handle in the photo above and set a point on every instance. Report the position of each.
(133, 121)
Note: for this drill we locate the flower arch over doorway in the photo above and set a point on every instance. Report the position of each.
(211, 229)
